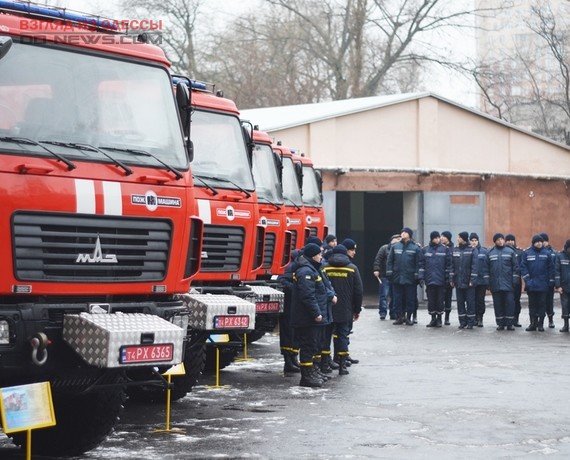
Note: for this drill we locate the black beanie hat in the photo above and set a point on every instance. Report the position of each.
(474, 236)
(496, 236)
(408, 230)
(330, 237)
(536, 238)
(544, 236)
(349, 244)
(434, 234)
(339, 249)
(567, 245)
(464, 236)
(311, 250)
(510, 237)
(314, 240)
(447, 234)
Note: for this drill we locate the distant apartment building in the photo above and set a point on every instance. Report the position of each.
(522, 67)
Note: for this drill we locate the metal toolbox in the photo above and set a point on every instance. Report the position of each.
(124, 339)
(219, 312)
(267, 299)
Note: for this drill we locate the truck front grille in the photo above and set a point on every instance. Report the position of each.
(269, 250)
(222, 248)
(78, 248)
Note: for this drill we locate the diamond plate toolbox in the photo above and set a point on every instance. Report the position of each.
(264, 295)
(102, 339)
(205, 310)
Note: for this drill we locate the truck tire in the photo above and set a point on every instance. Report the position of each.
(227, 356)
(194, 362)
(83, 422)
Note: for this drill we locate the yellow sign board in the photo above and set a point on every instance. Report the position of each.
(26, 407)
(178, 369)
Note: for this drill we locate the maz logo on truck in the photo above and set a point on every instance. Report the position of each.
(97, 257)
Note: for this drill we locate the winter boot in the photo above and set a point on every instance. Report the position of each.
(540, 325)
(447, 323)
(565, 328)
(480, 321)
(409, 321)
(290, 367)
(308, 378)
(433, 322)
(317, 370)
(326, 368)
(516, 322)
(532, 325)
(399, 321)
(333, 363)
(437, 320)
(350, 360)
(551, 321)
(342, 370)
(415, 318)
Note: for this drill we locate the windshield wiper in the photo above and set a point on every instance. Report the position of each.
(172, 169)
(271, 203)
(297, 207)
(208, 186)
(73, 145)
(223, 179)
(24, 140)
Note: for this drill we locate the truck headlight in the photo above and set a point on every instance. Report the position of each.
(4, 332)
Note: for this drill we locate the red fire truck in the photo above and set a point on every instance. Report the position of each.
(293, 199)
(312, 187)
(98, 241)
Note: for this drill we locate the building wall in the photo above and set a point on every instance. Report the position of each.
(426, 133)
(515, 205)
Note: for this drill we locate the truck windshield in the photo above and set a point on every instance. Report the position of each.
(49, 94)
(265, 174)
(291, 190)
(311, 194)
(220, 150)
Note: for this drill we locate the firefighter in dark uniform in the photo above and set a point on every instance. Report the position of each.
(511, 241)
(503, 274)
(464, 278)
(436, 263)
(482, 281)
(403, 269)
(310, 310)
(537, 271)
(347, 284)
(288, 344)
(550, 294)
(446, 240)
(562, 282)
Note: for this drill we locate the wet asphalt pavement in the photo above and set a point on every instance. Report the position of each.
(417, 393)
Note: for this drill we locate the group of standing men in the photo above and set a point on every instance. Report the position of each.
(472, 269)
(323, 296)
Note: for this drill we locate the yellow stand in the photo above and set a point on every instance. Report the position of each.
(29, 445)
(217, 385)
(175, 370)
(245, 357)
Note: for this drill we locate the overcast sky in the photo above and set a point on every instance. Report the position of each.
(439, 82)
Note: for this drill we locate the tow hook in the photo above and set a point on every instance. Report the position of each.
(39, 344)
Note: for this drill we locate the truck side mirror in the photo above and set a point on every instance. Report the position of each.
(183, 102)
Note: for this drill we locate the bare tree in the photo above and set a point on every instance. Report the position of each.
(530, 84)
(180, 18)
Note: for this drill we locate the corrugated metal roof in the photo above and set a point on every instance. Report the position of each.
(271, 119)
(276, 118)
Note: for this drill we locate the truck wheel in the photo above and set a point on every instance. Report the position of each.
(83, 422)
(194, 361)
(227, 355)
